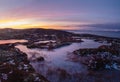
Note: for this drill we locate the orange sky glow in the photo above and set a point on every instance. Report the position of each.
(29, 23)
(57, 14)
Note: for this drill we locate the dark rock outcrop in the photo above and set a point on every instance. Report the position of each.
(15, 67)
(103, 57)
(40, 59)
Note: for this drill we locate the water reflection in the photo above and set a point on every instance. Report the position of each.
(57, 67)
(11, 41)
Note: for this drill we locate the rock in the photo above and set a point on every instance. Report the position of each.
(14, 66)
(40, 59)
(103, 57)
(6, 46)
(97, 62)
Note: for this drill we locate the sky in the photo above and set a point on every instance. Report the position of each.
(58, 14)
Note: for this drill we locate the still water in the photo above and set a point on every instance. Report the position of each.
(11, 41)
(57, 67)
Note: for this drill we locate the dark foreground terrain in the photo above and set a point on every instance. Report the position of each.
(15, 66)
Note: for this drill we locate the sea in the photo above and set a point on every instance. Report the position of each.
(115, 34)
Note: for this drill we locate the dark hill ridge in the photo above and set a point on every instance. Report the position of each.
(31, 33)
(38, 33)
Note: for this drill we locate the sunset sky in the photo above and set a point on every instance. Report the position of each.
(58, 14)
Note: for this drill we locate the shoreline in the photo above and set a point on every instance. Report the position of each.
(103, 57)
(14, 62)
(60, 41)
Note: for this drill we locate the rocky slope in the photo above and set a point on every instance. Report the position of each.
(15, 67)
(105, 56)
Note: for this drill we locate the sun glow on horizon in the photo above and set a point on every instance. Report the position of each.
(31, 23)
(10, 24)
